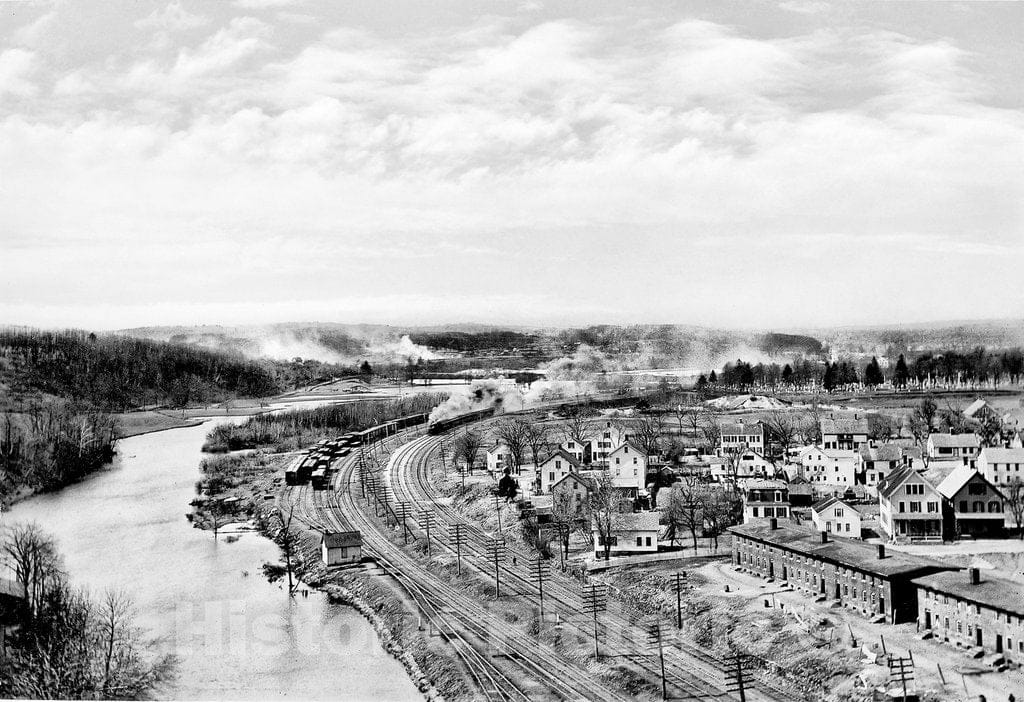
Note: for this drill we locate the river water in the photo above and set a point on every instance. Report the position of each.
(235, 635)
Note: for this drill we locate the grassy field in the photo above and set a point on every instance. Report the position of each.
(135, 423)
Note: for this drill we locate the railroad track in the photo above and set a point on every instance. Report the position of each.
(693, 672)
(458, 616)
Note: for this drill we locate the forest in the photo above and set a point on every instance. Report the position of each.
(117, 373)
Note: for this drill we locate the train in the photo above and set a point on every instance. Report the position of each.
(443, 425)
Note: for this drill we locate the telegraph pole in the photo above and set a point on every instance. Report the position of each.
(497, 509)
(540, 569)
(595, 599)
(654, 638)
(458, 539)
(734, 676)
(402, 510)
(427, 520)
(496, 552)
(680, 583)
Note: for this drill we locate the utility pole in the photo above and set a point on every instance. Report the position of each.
(655, 638)
(427, 520)
(680, 584)
(497, 509)
(462, 470)
(496, 552)
(458, 540)
(595, 599)
(901, 670)
(402, 511)
(540, 569)
(734, 681)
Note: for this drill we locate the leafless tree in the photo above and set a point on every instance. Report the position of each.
(926, 412)
(513, 434)
(538, 435)
(648, 431)
(990, 430)
(578, 428)
(467, 447)
(720, 508)
(685, 508)
(604, 504)
(32, 555)
(711, 430)
(1014, 493)
(782, 426)
(287, 538)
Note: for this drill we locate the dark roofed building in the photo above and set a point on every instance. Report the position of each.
(857, 575)
(973, 609)
(846, 432)
(337, 548)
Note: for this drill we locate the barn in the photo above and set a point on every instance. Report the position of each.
(341, 547)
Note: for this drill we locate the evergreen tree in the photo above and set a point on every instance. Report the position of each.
(873, 373)
(712, 378)
(829, 380)
(787, 374)
(365, 368)
(901, 375)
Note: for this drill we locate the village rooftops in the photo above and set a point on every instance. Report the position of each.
(856, 424)
(975, 407)
(1004, 455)
(955, 440)
(742, 429)
(893, 481)
(341, 539)
(635, 521)
(761, 484)
(568, 457)
(824, 504)
(998, 593)
(848, 553)
(882, 452)
(955, 481)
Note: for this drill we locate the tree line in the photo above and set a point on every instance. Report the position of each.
(52, 443)
(298, 428)
(979, 367)
(116, 373)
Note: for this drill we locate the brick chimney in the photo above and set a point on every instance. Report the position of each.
(975, 575)
(881, 551)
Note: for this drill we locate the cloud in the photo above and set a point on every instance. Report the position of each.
(172, 18)
(263, 4)
(15, 67)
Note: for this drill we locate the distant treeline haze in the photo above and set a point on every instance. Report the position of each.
(298, 428)
(117, 373)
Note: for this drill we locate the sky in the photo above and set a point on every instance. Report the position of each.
(755, 164)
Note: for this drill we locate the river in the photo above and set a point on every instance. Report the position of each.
(235, 635)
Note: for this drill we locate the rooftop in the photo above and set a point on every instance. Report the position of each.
(855, 424)
(340, 539)
(955, 440)
(636, 521)
(882, 452)
(845, 552)
(1003, 455)
(954, 482)
(829, 502)
(747, 428)
(1007, 595)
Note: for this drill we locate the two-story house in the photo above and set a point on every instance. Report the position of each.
(498, 459)
(836, 517)
(570, 498)
(847, 433)
(557, 466)
(910, 507)
(580, 452)
(876, 462)
(1001, 465)
(962, 448)
(627, 466)
(828, 470)
(973, 505)
(742, 436)
(764, 499)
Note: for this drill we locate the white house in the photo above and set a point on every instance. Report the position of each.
(963, 448)
(834, 516)
(829, 470)
(574, 449)
(556, 467)
(498, 459)
(1001, 465)
(631, 532)
(752, 464)
(627, 466)
(341, 547)
(765, 499)
(741, 436)
(846, 433)
(876, 462)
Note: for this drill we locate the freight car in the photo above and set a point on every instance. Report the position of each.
(319, 479)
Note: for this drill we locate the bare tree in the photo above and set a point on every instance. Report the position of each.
(538, 435)
(648, 433)
(682, 413)
(513, 434)
(287, 538)
(685, 508)
(32, 554)
(604, 504)
(467, 447)
(711, 430)
(720, 510)
(783, 427)
(578, 428)
(926, 411)
(1014, 493)
(990, 430)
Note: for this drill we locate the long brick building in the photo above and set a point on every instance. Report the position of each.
(859, 576)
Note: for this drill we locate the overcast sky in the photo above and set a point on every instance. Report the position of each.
(749, 164)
